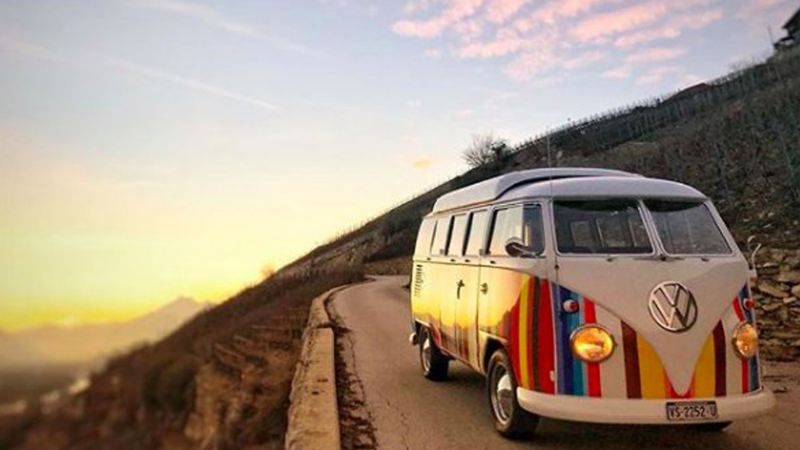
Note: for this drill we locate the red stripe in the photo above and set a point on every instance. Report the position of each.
(529, 331)
(545, 340)
(737, 307)
(632, 381)
(513, 339)
(592, 369)
(719, 361)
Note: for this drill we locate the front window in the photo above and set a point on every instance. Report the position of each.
(687, 228)
(600, 226)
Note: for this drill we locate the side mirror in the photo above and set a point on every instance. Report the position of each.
(516, 247)
(753, 247)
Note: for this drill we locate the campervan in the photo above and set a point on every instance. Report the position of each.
(589, 295)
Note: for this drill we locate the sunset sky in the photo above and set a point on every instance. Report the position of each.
(156, 148)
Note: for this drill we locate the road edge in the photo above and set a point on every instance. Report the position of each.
(313, 416)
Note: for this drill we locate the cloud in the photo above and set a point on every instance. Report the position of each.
(430, 28)
(201, 13)
(499, 11)
(558, 9)
(655, 54)
(548, 39)
(39, 52)
(506, 41)
(414, 104)
(159, 74)
(671, 30)
(621, 20)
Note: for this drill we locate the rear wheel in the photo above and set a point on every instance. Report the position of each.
(711, 427)
(434, 363)
(510, 420)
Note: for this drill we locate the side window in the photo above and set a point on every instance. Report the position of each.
(455, 247)
(477, 231)
(517, 222)
(440, 236)
(423, 247)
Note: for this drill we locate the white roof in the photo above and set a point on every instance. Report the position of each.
(566, 182)
(493, 188)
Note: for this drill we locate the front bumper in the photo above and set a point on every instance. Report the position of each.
(635, 411)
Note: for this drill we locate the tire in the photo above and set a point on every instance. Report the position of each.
(433, 362)
(510, 420)
(715, 427)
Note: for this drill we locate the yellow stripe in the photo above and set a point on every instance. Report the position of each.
(523, 323)
(704, 376)
(651, 373)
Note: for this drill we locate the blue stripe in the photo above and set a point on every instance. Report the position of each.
(566, 362)
(577, 365)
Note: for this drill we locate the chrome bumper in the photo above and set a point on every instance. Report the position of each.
(635, 411)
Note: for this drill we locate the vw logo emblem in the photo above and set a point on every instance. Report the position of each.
(672, 306)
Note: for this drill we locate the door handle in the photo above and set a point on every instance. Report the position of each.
(484, 288)
(459, 285)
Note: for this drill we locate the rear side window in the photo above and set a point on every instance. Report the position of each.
(424, 237)
(687, 228)
(600, 226)
(440, 236)
(456, 245)
(477, 231)
(517, 222)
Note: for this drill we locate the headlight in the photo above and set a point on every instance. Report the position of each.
(592, 343)
(745, 340)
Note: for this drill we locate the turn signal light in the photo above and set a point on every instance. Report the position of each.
(592, 343)
(745, 340)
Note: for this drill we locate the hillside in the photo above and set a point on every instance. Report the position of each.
(736, 138)
(221, 381)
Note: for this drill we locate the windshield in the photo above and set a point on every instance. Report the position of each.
(687, 228)
(600, 226)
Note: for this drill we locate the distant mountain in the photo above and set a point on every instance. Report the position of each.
(52, 344)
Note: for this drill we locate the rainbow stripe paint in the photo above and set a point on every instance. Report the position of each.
(538, 332)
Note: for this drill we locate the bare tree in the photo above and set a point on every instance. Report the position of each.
(485, 149)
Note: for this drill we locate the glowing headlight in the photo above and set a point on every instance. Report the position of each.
(592, 343)
(745, 340)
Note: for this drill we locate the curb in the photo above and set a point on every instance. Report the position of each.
(313, 417)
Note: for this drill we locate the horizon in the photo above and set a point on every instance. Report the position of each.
(140, 166)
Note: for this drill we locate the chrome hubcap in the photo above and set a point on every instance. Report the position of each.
(502, 396)
(426, 353)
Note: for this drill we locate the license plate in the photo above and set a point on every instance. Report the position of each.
(691, 411)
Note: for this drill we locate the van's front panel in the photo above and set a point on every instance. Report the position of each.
(537, 332)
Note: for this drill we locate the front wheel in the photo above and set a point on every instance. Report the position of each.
(510, 420)
(434, 363)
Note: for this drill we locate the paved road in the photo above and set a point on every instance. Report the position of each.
(410, 412)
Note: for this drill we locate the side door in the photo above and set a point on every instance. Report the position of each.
(467, 304)
(509, 286)
(455, 286)
(439, 281)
